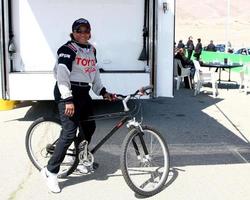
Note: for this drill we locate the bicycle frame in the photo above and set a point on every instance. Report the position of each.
(118, 125)
(126, 116)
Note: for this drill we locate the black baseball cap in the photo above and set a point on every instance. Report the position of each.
(80, 22)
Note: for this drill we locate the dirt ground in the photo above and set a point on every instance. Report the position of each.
(212, 20)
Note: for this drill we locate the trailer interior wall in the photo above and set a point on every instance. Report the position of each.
(41, 27)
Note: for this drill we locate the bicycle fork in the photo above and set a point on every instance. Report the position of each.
(143, 157)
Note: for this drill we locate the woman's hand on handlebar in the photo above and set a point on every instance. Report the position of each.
(143, 90)
(109, 96)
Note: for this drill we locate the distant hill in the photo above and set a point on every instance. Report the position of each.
(207, 19)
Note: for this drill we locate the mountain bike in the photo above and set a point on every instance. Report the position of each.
(144, 159)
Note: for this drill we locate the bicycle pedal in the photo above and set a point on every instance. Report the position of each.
(86, 158)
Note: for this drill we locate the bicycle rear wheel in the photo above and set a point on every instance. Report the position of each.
(40, 142)
(145, 161)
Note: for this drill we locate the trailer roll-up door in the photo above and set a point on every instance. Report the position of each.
(40, 27)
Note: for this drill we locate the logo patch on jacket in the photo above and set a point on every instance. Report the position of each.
(87, 63)
(63, 55)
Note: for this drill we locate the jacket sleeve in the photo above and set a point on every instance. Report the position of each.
(97, 86)
(62, 72)
(62, 77)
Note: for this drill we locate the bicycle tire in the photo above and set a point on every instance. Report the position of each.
(47, 130)
(132, 173)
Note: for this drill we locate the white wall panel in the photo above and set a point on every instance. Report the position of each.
(165, 52)
(40, 86)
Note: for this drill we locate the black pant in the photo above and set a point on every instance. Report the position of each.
(190, 52)
(197, 56)
(83, 109)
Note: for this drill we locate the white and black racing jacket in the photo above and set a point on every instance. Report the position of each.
(77, 63)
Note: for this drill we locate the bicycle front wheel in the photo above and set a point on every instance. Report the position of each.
(145, 161)
(40, 142)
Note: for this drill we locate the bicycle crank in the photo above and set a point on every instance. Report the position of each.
(85, 157)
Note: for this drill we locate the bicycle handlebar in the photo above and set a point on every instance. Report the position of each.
(125, 98)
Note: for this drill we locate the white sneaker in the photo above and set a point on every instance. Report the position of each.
(51, 180)
(85, 170)
(82, 169)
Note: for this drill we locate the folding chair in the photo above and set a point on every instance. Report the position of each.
(185, 72)
(245, 78)
(202, 77)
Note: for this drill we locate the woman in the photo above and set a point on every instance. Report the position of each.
(75, 69)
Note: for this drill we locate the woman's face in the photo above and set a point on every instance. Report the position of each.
(82, 35)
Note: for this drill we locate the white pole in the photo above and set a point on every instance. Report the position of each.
(228, 24)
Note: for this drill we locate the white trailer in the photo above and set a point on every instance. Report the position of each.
(31, 31)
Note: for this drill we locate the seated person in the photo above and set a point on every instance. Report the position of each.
(211, 46)
(186, 63)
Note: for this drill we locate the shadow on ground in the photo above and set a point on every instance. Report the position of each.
(194, 138)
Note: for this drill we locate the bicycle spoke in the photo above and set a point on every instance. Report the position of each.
(147, 172)
(41, 141)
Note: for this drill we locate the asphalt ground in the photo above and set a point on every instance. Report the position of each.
(208, 139)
